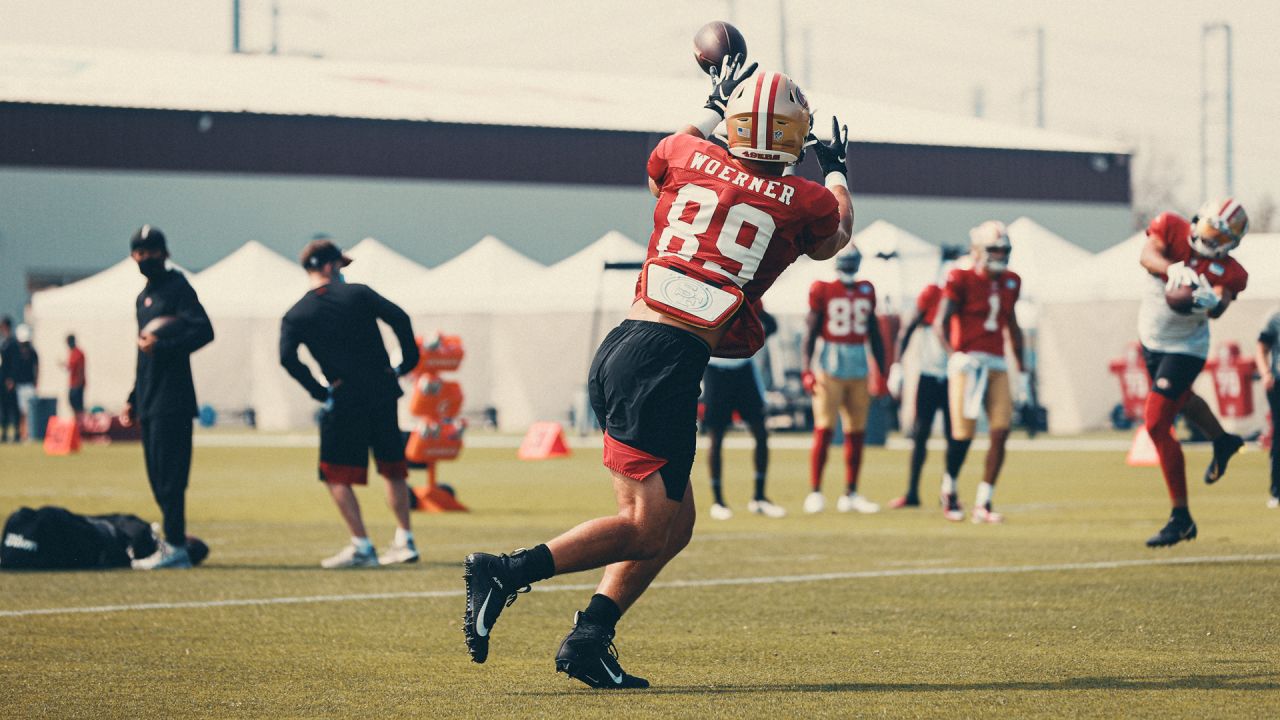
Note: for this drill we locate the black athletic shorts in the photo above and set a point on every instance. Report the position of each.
(725, 390)
(353, 427)
(1171, 373)
(644, 386)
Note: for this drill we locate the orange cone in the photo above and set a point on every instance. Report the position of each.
(544, 440)
(61, 436)
(1142, 453)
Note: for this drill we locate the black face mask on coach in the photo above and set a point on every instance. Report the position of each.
(151, 267)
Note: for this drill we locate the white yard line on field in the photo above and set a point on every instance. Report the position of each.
(700, 583)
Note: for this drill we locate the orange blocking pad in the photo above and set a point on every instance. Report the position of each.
(433, 498)
(61, 436)
(544, 440)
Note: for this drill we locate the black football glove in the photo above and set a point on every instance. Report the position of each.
(725, 80)
(832, 155)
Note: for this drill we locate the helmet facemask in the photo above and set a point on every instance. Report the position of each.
(847, 265)
(1218, 228)
(991, 247)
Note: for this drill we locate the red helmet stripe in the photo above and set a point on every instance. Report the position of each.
(768, 125)
(755, 111)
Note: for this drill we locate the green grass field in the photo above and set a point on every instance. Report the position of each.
(899, 614)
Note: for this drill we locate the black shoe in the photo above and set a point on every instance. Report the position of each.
(588, 654)
(489, 590)
(1174, 532)
(1223, 448)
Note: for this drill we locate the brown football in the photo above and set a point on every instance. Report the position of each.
(1180, 299)
(714, 42)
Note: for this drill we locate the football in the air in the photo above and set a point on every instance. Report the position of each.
(157, 325)
(1181, 298)
(714, 42)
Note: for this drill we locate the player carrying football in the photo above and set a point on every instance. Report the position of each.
(843, 313)
(977, 311)
(726, 224)
(1175, 345)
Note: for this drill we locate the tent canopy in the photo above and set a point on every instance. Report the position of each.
(253, 281)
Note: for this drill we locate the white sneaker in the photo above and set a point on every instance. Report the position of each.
(982, 514)
(396, 554)
(1273, 502)
(166, 557)
(720, 512)
(350, 557)
(853, 502)
(767, 509)
(814, 503)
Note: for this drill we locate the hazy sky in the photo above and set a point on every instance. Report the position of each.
(1127, 69)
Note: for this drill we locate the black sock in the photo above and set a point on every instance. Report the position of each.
(1181, 513)
(531, 565)
(956, 452)
(759, 486)
(717, 491)
(604, 610)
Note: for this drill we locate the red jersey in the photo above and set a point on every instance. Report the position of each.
(1175, 232)
(75, 368)
(928, 302)
(716, 216)
(843, 311)
(983, 305)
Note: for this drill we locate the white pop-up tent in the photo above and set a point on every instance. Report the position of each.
(1050, 266)
(393, 275)
(898, 263)
(100, 311)
(246, 294)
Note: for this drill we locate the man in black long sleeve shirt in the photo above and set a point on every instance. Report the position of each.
(171, 325)
(338, 324)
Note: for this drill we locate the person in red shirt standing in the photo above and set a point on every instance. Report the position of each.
(977, 311)
(726, 224)
(75, 377)
(1175, 344)
(843, 313)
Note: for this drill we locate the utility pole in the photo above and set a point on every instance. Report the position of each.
(806, 58)
(275, 27)
(979, 101)
(782, 34)
(1039, 76)
(235, 26)
(1206, 31)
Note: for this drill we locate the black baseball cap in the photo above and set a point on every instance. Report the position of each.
(319, 253)
(147, 237)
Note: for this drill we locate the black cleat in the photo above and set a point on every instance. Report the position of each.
(588, 654)
(1174, 532)
(489, 590)
(1223, 448)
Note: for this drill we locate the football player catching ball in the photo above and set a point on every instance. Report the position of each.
(1175, 345)
(727, 223)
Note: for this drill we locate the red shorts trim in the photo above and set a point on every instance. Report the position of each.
(344, 474)
(628, 461)
(393, 470)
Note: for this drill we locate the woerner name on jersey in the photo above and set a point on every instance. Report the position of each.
(769, 188)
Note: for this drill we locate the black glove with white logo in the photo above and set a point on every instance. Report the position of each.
(725, 80)
(832, 155)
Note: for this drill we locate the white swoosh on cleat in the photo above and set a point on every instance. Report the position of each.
(481, 630)
(617, 679)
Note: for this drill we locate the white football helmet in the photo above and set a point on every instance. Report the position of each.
(767, 119)
(1218, 227)
(991, 247)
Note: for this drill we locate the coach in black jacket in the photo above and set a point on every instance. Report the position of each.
(339, 325)
(171, 325)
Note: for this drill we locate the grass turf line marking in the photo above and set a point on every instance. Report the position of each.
(707, 582)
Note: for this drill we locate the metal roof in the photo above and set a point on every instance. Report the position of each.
(279, 85)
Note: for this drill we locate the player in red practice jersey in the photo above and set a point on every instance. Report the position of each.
(843, 313)
(727, 222)
(1175, 345)
(977, 311)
